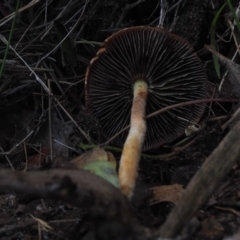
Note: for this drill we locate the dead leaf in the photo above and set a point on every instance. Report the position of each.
(232, 67)
(39, 158)
(96, 154)
(166, 193)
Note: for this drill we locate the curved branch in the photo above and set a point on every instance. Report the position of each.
(77, 187)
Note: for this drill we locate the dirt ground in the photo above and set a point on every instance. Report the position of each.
(43, 119)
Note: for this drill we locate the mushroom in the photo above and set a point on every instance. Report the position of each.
(138, 71)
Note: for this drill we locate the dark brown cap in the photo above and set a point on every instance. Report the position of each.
(171, 69)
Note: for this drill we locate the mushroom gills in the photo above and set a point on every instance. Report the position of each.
(134, 142)
(133, 64)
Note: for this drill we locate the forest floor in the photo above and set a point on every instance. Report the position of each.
(43, 120)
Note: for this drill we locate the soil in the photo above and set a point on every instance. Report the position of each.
(27, 111)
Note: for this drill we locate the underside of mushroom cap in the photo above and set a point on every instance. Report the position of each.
(169, 66)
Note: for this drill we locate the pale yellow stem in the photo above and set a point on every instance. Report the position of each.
(132, 148)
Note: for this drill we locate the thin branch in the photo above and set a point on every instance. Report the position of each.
(17, 145)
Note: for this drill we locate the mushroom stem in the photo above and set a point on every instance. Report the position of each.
(133, 144)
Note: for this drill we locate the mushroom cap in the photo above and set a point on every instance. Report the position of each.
(170, 67)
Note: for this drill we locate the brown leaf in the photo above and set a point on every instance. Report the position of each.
(96, 154)
(166, 193)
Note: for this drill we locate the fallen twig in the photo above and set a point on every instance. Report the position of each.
(205, 181)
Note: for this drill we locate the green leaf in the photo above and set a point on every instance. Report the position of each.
(105, 170)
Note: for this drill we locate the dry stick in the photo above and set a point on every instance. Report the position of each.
(26, 156)
(163, 11)
(171, 107)
(204, 182)
(50, 121)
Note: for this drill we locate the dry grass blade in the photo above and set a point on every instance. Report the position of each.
(44, 225)
(47, 90)
(11, 16)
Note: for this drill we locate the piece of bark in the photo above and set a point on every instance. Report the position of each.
(205, 181)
